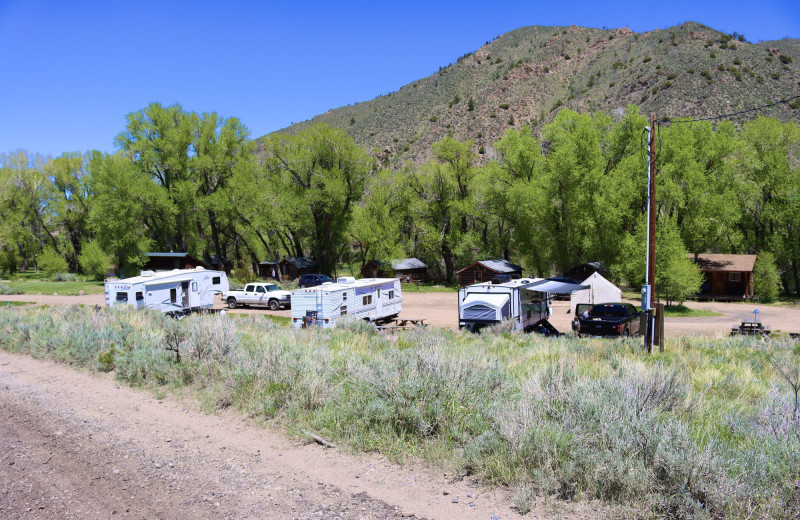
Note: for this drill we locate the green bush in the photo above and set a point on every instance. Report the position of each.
(5, 289)
(94, 261)
(766, 279)
(52, 262)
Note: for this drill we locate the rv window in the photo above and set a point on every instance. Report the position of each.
(215, 280)
(391, 295)
(122, 296)
(194, 286)
(367, 299)
(139, 296)
(173, 295)
(344, 296)
(379, 293)
(344, 310)
(249, 288)
(260, 289)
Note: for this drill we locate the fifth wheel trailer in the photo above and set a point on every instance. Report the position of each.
(175, 293)
(524, 301)
(370, 299)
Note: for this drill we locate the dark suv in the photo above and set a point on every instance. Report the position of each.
(312, 280)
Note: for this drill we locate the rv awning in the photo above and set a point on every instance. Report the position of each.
(552, 287)
(166, 280)
(494, 300)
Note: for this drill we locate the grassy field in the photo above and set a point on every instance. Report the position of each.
(5, 303)
(30, 282)
(681, 311)
(708, 429)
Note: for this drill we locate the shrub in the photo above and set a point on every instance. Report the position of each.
(471, 104)
(766, 279)
(52, 262)
(433, 119)
(5, 289)
(647, 59)
(93, 261)
(504, 106)
(785, 59)
(65, 277)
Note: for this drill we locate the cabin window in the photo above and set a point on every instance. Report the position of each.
(734, 277)
(367, 300)
(250, 288)
(260, 289)
(478, 276)
(194, 286)
(173, 295)
(139, 296)
(391, 295)
(215, 280)
(344, 310)
(122, 296)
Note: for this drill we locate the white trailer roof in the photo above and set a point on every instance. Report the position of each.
(363, 282)
(163, 276)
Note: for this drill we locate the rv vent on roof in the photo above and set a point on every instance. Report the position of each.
(345, 279)
(199, 268)
(148, 273)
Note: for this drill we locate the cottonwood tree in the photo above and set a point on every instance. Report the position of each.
(321, 173)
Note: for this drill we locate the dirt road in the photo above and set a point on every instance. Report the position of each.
(75, 445)
(441, 310)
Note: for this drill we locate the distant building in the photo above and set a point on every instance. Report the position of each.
(486, 270)
(293, 267)
(726, 277)
(269, 269)
(170, 261)
(584, 271)
(407, 269)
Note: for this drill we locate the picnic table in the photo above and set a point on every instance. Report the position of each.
(401, 323)
(751, 327)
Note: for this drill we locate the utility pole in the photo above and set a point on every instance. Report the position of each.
(648, 290)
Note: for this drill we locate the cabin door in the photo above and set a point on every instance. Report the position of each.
(185, 294)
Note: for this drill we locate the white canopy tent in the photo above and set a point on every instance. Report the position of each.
(600, 291)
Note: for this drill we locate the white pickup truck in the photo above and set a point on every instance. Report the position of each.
(267, 294)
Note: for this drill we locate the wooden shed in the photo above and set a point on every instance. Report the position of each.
(486, 270)
(293, 267)
(407, 270)
(584, 271)
(269, 269)
(727, 277)
(170, 261)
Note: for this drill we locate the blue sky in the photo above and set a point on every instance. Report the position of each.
(72, 70)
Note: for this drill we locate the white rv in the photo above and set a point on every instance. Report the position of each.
(175, 293)
(525, 301)
(370, 299)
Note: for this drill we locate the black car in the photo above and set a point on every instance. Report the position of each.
(608, 319)
(312, 280)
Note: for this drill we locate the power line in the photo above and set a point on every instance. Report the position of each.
(725, 116)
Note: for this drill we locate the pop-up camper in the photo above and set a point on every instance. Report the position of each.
(370, 299)
(175, 293)
(526, 301)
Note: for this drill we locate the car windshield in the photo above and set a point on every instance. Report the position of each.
(271, 288)
(324, 278)
(609, 311)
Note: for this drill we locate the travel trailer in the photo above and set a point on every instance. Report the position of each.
(370, 299)
(176, 293)
(525, 301)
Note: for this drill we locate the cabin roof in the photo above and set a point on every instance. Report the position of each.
(498, 266)
(300, 262)
(715, 262)
(409, 263)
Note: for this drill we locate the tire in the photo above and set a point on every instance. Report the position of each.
(626, 332)
(274, 305)
(232, 303)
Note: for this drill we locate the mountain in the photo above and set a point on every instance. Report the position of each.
(525, 76)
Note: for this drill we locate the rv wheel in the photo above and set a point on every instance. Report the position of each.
(232, 303)
(274, 305)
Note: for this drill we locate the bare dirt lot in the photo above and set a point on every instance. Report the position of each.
(76, 445)
(440, 309)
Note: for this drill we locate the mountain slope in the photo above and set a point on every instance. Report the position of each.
(525, 76)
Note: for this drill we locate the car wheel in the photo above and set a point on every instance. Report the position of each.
(274, 305)
(626, 332)
(232, 303)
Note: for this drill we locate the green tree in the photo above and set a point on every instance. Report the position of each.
(51, 262)
(321, 173)
(93, 261)
(766, 278)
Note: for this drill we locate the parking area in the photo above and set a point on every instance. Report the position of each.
(440, 309)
